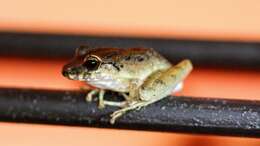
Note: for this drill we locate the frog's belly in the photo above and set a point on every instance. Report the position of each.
(110, 84)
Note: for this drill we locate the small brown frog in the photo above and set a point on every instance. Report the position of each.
(141, 75)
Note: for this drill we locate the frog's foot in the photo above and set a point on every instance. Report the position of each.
(133, 106)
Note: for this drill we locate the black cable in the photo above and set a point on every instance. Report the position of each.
(172, 114)
(202, 53)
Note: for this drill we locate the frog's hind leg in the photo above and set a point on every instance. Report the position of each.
(168, 81)
(157, 87)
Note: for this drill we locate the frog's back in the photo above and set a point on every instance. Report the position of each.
(141, 62)
(133, 62)
(142, 57)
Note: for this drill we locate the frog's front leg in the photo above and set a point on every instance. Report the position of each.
(91, 94)
(100, 92)
(101, 102)
(156, 87)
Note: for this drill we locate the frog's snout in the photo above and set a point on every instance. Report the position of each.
(70, 73)
(65, 73)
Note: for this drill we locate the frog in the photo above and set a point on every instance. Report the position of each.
(141, 75)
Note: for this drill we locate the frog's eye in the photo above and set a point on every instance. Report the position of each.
(91, 63)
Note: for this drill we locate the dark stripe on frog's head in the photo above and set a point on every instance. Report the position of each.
(105, 53)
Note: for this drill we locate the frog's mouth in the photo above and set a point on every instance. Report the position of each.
(82, 76)
(74, 75)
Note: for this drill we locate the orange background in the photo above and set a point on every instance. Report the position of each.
(215, 20)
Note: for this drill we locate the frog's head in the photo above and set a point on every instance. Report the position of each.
(91, 64)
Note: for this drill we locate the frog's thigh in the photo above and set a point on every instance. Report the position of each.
(162, 83)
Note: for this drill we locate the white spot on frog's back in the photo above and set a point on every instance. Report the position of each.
(106, 82)
(178, 88)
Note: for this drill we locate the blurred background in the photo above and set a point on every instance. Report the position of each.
(221, 20)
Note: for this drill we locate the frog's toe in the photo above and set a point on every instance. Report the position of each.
(115, 115)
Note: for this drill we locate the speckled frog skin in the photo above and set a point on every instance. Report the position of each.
(141, 75)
